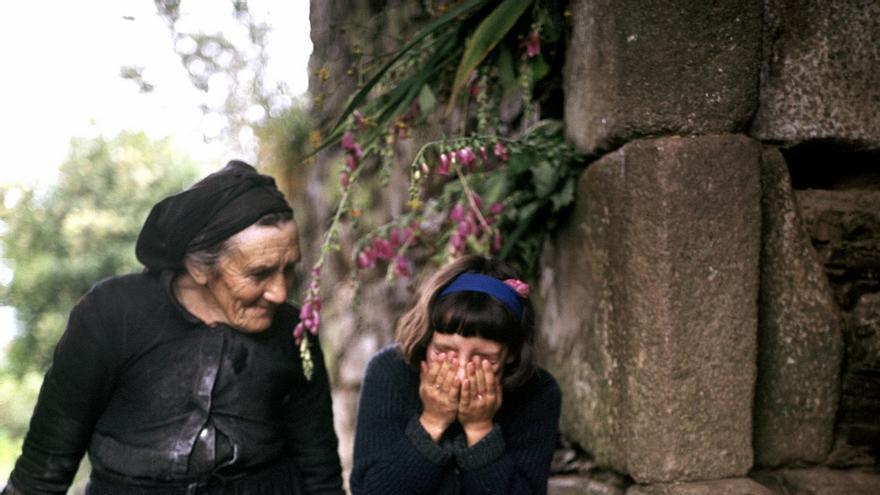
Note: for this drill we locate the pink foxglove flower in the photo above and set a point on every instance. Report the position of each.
(443, 169)
(533, 44)
(500, 151)
(457, 213)
(348, 142)
(364, 260)
(401, 266)
(351, 162)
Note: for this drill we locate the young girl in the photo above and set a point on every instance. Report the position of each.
(458, 405)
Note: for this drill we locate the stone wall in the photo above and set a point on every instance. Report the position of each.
(712, 306)
(709, 315)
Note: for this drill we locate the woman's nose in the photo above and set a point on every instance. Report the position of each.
(276, 290)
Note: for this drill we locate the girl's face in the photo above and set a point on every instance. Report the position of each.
(465, 349)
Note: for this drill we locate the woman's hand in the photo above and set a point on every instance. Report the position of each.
(480, 400)
(439, 390)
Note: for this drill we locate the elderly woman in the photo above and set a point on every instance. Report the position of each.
(185, 379)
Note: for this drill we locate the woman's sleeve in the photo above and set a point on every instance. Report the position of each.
(393, 454)
(517, 461)
(309, 426)
(75, 391)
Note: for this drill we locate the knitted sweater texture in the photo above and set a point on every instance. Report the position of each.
(393, 454)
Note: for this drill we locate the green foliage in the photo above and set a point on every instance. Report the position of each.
(17, 399)
(61, 241)
(539, 183)
(423, 58)
(486, 37)
(519, 176)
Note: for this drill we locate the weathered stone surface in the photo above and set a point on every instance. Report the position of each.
(800, 335)
(574, 484)
(845, 228)
(819, 75)
(821, 481)
(735, 486)
(638, 69)
(651, 308)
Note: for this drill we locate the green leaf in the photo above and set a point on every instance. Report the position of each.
(506, 71)
(427, 100)
(545, 176)
(519, 163)
(539, 69)
(487, 35)
(565, 196)
(449, 18)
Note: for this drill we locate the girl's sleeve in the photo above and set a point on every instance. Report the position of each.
(393, 454)
(75, 391)
(309, 423)
(515, 461)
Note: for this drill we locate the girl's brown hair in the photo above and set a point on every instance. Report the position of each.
(470, 314)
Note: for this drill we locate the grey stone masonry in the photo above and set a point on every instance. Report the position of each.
(734, 486)
(819, 78)
(645, 69)
(821, 481)
(800, 334)
(651, 308)
(845, 228)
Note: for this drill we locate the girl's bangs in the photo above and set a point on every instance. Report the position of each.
(474, 314)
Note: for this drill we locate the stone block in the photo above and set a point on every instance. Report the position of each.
(583, 484)
(819, 72)
(800, 334)
(821, 481)
(733, 486)
(650, 315)
(640, 69)
(845, 228)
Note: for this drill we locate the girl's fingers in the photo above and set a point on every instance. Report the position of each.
(456, 390)
(448, 377)
(491, 380)
(466, 396)
(481, 378)
(443, 375)
(434, 370)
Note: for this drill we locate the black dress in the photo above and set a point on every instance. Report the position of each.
(166, 404)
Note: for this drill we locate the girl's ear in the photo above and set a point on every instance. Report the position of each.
(198, 271)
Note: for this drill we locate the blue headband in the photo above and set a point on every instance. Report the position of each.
(475, 282)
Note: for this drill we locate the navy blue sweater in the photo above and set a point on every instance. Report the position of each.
(393, 454)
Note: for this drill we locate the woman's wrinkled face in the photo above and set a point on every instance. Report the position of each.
(254, 274)
(465, 349)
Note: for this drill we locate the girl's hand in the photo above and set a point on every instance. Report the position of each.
(439, 390)
(480, 400)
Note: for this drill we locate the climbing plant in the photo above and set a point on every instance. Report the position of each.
(496, 185)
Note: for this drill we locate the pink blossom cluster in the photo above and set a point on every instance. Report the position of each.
(468, 225)
(533, 44)
(386, 249)
(310, 313)
(353, 155)
(467, 159)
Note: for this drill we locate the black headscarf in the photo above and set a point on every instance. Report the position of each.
(214, 209)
